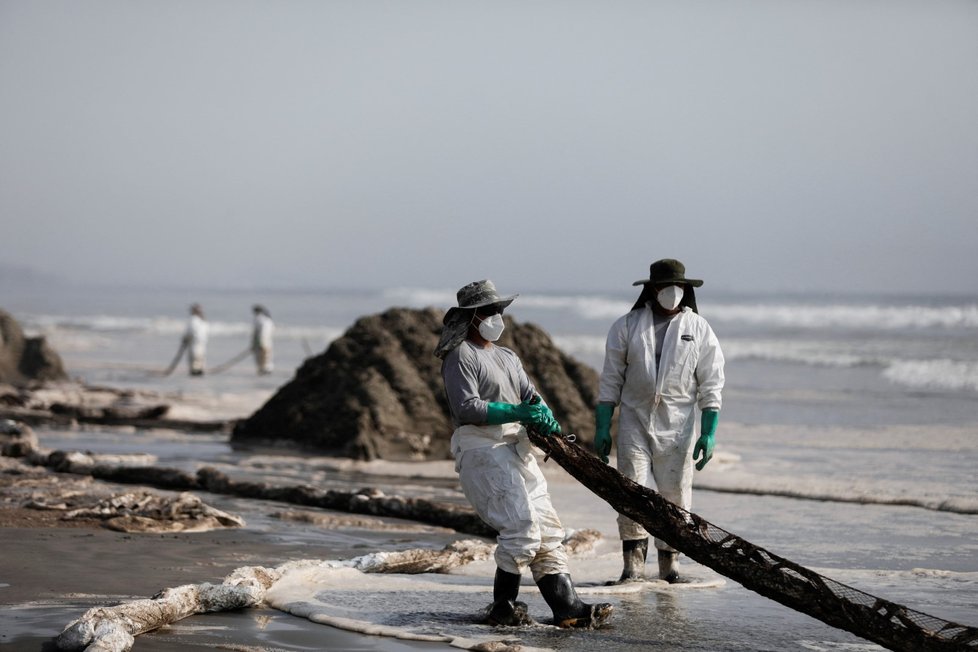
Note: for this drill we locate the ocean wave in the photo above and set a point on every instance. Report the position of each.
(420, 297)
(580, 346)
(813, 353)
(839, 316)
(924, 373)
(807, 352)
(939, 374)
(936, 373)
(583, 306)
(798, 315)
(106, 325)
(956, 505)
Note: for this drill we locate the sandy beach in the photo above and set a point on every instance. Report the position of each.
(232, 233)
(52, 571)
(829, 464)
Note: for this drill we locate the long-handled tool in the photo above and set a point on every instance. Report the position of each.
(230, 363)
(176, 361)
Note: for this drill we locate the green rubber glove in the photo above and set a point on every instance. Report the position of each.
(704, 445)
(548, 426)
(602, 429)
(529, 413)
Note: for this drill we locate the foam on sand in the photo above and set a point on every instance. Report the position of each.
(438, 607)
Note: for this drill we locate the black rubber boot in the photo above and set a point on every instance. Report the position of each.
(633, 552)
(568, 610)
(505, 610)
(669, 567)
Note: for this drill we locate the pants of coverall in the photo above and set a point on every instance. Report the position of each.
(668, 461)
(263, 359)
(509, 492)
(196, 359)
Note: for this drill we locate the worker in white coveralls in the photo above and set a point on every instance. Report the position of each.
(261, 339)
(491, 399)
(662, 363)
(195, 339)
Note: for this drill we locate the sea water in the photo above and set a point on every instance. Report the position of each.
(848, 439)
(899, 353)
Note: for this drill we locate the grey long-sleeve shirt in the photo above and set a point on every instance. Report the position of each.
(474, 376)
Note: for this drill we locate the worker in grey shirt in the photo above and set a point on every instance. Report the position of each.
(491, 399)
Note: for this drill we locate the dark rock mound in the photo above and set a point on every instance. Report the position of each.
(26, 359)
(377, 391)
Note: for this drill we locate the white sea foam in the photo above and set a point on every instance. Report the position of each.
(808, 352)
(868, 317)
(580, 346)
(935, 373)
(444, 607)
(924, 369)
(584, 306)
(593, 308)
(941, 374)
(420, 297)
(94, 325)
(841, 492)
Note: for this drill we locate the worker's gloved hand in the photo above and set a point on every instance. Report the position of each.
(704, 445)
(548, 426)
(546, 423)
(602, 430)
(525, 412)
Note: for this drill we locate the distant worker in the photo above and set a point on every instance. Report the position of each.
(195, 340)
(491, 399)
(662, 361)
(261, 339)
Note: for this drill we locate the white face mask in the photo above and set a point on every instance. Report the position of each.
(670, 297)
(491, 328)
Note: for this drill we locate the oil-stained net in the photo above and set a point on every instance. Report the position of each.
(887, 623)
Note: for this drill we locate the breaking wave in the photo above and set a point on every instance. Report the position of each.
(939, 374)
(590, 307)
(926, 373)
(838, 316)
(164, 326)
(810, 314)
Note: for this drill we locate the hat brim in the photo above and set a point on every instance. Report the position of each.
(504, 302)
(693, 282)
(455, 310)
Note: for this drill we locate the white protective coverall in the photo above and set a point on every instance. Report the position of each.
(196, 338)
(261, 342)
(657, 423)
(497, 470)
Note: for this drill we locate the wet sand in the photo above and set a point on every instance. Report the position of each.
(52, 571)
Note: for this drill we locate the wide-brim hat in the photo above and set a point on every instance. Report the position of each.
(668, 271)
(480, 294)
(477, 294)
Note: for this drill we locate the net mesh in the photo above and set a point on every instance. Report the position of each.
(887, 623)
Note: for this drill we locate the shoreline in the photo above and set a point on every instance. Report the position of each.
(54, 571)
(51, 575)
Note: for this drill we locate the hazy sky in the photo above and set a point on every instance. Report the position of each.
(827, 145)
